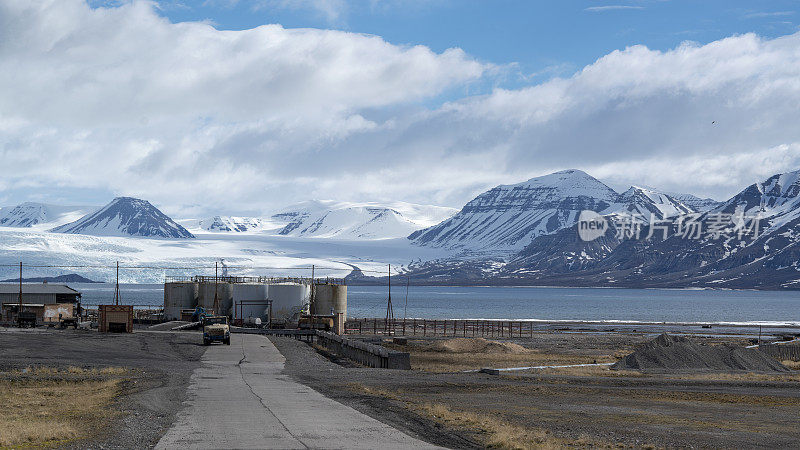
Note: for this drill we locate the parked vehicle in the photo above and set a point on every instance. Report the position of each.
(216, 329)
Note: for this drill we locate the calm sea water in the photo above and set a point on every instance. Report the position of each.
(579, 304)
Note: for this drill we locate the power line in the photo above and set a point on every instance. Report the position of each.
(143, 267)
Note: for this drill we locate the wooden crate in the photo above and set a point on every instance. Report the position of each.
(116, 318)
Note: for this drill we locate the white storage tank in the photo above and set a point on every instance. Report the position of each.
(288, 299)
(330, 299)
(178, 296)
(250, 301)
(224, 294)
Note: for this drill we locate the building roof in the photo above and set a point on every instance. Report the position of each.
(37, 288)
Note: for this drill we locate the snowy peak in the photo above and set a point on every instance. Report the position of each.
(546, 190)
(126, 216)
(232, 224)
(25, 215)
(507, 217)
(343, 220)
(696, 203)
(775, 196)
(648, 202)
(30, 214)
(785, 185)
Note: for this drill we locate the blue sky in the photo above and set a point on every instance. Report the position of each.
(541, 38)
(208, 107)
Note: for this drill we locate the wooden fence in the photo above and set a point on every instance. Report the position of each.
(448, 327)
(782, 352)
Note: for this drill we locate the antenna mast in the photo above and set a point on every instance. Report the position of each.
(389, 309)
(116, 288)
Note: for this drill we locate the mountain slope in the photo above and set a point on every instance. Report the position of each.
(648, 202)
(126, 216)
(30, 214)
(342, 220)
(233, 224)
(751, 240)
(695, 202)
(507, 217)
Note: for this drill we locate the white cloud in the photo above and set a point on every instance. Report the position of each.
(121, 98)
(190, 117)
(612, 8)
(765, 14)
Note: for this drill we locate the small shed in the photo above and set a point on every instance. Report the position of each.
(42, 293)
(116, 318)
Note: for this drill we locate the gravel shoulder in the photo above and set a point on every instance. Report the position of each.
(584, 407)
(159, 366)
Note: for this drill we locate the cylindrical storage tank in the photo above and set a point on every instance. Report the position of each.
(224, 295)
(249, 301)
(178, 296)
(288, 299)
(330, 299)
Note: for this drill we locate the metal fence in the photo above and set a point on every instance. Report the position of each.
(445, 327)
(782, 352)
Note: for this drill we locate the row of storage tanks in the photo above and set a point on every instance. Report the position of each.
(248, 301)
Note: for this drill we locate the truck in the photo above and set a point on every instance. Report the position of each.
(216, 329)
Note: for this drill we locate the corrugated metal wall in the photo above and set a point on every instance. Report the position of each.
(47, 299)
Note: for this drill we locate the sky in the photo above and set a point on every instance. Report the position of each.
(241, 107)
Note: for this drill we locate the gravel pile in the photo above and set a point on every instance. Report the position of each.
(668, 353)
(475, 345)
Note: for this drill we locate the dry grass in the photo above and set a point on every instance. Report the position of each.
(493, 431)
(794, 365)
(736, 376)
(442, 359)
(497, 433)
(47, 407)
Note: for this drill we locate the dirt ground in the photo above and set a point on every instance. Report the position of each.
(440, 404)
(566, 407)
(157, 370)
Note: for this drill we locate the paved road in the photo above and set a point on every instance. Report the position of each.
(239, 399)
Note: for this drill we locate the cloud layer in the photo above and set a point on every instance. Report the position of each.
(195, 118)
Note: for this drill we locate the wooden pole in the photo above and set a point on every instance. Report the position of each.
(19, 309)
(389, 308)
(312, 299)
(116, 287)
(216, 287)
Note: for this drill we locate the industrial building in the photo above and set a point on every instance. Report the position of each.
(254, 300)
(44, 293)
(34, 298)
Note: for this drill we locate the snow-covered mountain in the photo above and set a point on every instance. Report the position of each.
(30, 214)
(126, 216)
(368, 221)
(508, 217)
(648, 202)
(234, 224)
(751, 240)
(696, 203)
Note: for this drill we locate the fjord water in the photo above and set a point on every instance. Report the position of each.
(541, 303)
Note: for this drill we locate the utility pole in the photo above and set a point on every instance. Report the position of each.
(116, 289)
(405, 310)
(311, 298)
(19, 309)
(389, 309)
(216, 287)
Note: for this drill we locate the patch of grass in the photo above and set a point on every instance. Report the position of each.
(440, 362)
(734, 376)
(44, 406)
(794, 365)
(493, 431)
